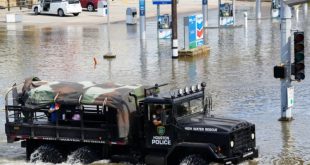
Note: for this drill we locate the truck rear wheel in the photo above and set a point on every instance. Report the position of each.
(83, 155)
(46, 153)
(193, 160)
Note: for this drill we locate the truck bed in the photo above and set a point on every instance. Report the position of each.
(95, 126)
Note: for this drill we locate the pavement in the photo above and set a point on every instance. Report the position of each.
(117, 10)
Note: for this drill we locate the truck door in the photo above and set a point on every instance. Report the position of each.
(159, 134)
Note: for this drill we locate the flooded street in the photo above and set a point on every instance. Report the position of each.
(238, 73)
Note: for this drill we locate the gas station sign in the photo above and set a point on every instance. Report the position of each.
(195, 31)
(162, 2)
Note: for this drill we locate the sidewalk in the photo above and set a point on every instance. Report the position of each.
(117, 9)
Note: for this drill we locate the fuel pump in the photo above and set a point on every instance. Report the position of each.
(226, 13)
(164, 26)
(275, 8)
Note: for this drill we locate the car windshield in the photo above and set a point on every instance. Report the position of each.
(190, 107)
(73, 1)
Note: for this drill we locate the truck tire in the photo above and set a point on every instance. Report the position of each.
(46, 153)
(60, 13)
(193, 160)
(36, 11)
(83, 155)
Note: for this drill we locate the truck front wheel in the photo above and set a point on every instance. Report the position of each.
(193, 160)
(46, 153)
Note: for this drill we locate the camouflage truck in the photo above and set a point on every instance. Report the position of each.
(115, 122)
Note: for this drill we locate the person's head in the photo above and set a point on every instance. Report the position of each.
(158, 109)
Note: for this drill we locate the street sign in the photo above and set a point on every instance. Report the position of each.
(290, 97)
(162, 2)
(142, 7)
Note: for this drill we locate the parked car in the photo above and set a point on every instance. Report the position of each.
(90, 5)
(59, 7)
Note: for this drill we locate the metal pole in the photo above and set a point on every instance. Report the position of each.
(218, 15)
(109, 54)
(9, 7)
(158, 14)
(142, 19)
(305, 8)
(108, 20)
(234, 11)
(174, 29)
(258, 9)
(205, 12)
(296, 9)
(286, 15)
(245, 14)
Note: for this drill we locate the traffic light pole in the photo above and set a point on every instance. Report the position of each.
(286, 112)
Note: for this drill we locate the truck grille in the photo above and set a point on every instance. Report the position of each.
(243, 141)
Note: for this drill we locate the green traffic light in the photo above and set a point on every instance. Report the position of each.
(299, 57)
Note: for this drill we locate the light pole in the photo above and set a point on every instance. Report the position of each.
(142, 19)
(109, 54)
(258, 9)
(285, 15)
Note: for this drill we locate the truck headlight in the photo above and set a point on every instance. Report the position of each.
(252, 136)
(232, 144)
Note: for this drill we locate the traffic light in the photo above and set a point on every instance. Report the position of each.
(279, 72)
(299, 56)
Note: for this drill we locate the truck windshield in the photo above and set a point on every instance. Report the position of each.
(73, 1)
(190, 107)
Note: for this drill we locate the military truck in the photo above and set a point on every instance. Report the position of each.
(115, 122)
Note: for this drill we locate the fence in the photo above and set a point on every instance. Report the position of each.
(9, 4)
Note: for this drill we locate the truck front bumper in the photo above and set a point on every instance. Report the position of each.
(245, 156)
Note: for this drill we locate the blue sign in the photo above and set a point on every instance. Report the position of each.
(142, 7)
(192, 28)
(162, 2)
(195, 30)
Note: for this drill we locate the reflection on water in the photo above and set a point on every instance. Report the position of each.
(238, 73)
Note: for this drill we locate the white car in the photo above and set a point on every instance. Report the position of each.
(59, 7)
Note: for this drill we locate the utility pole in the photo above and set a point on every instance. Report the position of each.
(109, 54)
(285, 15)
(142, 19)
(258, 9)
(174, 29)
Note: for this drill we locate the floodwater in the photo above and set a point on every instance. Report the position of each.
(238, 73)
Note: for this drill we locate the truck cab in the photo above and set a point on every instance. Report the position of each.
(188, 130)
(58, 7)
